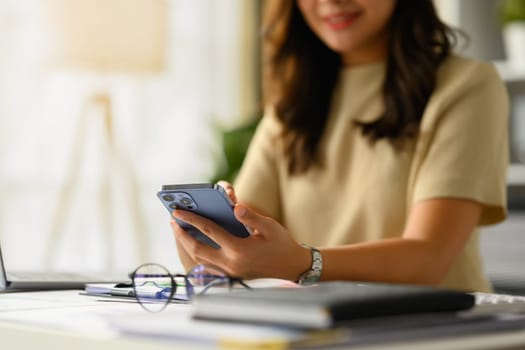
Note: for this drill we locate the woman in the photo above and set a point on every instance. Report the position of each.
(380, 148)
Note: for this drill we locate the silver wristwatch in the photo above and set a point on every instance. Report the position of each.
(313, 274)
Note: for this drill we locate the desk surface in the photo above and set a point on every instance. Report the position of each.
(65, 319)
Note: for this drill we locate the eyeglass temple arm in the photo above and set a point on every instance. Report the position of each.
(240, 281)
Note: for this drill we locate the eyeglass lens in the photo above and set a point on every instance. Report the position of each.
(203, 277)
(153, 286)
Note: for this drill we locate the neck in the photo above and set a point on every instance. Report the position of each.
(375, 51)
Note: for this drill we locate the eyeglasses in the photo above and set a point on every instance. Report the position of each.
(155, 287)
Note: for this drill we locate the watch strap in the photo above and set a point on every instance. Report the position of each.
(313, 274)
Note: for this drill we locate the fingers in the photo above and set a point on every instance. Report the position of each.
(229, 190)
(249, 217)
(206, 226)
(187, 261)
(191, 251)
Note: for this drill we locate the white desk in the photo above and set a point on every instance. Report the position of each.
(65, 319)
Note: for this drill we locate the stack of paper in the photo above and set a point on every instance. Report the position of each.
(175, 323)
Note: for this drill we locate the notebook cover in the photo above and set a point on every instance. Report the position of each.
(328, 304)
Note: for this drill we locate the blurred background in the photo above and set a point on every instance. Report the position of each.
(103, 101)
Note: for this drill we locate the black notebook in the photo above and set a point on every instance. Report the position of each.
(327, 304)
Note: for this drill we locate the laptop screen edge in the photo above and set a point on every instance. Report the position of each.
(3, 277)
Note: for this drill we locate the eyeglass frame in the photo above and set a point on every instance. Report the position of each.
(190, 292)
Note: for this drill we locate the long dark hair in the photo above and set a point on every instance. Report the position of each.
(300, 74)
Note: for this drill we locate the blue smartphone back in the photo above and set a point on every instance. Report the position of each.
(207, 200)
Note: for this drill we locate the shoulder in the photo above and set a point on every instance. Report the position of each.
(456, 64)
(459, 74)
(269, 129)
(466, 86)
(270, 123)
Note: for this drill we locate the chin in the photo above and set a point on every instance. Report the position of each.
(341, 49)
(340, 45)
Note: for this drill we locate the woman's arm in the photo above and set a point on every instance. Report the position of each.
(435, 234)
(436, 231)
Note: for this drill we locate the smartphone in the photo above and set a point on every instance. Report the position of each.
(208, 200)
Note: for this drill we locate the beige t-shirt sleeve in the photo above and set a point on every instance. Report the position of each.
(465, 134)
(257, 183)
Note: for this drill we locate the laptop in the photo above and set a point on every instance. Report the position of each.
(24, 281)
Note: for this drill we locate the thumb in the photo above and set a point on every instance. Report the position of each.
(251, 218)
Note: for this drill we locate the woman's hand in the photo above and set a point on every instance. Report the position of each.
(187, 261)
(184, 257)
(269, 252)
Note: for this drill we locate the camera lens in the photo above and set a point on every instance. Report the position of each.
(168, 197)
(185, 201)
(174, 206)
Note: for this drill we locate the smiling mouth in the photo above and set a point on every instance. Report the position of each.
(340, 21)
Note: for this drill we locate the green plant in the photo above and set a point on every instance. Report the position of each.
(235, 143)
(512, 11)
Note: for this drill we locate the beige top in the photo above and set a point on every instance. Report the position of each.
(365, 191)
